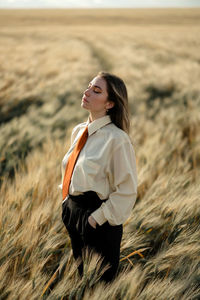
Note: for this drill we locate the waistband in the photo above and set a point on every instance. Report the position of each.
(88, 199)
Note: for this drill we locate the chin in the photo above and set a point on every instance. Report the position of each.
(83, 105)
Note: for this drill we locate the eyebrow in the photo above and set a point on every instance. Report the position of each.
(96, 86)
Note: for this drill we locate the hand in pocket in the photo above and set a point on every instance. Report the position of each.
(92, 222)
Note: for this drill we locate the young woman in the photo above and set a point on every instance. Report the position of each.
(100, 180)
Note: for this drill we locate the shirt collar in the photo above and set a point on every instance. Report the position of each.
(97, 124)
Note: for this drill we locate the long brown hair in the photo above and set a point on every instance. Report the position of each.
(117, 93)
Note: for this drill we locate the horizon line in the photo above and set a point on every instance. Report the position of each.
(98, 7)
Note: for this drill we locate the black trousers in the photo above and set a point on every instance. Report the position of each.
(105, 239)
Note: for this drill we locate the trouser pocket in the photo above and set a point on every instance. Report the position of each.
(76, 218)
(65, 213)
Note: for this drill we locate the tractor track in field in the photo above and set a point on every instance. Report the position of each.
(99, 53)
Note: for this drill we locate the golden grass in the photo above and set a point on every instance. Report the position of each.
(96, 17)
(47, 59)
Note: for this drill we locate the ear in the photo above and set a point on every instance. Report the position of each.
(110, 105)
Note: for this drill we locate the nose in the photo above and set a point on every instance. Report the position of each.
(87, 91)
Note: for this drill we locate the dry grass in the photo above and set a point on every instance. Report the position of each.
(46, 61)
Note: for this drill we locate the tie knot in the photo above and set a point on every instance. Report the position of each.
(86, 130)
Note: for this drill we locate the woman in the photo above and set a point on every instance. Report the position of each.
(100, 181)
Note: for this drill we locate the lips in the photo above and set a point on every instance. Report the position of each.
(84, 99)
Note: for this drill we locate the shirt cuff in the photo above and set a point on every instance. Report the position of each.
(99, 216)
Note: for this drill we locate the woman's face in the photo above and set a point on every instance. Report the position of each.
(95, 98)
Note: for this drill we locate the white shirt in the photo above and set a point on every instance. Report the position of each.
(107, 166)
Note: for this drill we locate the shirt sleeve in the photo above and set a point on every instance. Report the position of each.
(121, 201)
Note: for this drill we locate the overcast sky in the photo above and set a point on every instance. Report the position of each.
(96, 3)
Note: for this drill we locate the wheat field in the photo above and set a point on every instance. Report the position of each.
(47, 58)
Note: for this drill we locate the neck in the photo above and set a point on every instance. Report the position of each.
(93, 117)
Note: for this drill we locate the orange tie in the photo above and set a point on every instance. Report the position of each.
(72, 161)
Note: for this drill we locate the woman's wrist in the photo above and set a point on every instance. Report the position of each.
(92, 221)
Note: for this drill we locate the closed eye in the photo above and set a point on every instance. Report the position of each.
(96, 91)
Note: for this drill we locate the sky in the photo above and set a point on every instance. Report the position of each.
(96, 3)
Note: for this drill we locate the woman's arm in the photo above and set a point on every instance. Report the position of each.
(124, 183)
